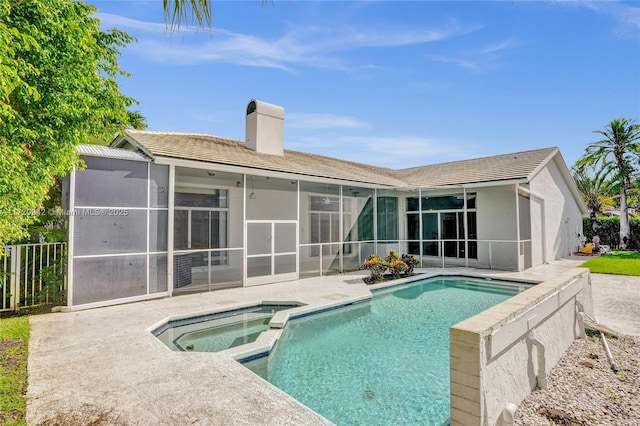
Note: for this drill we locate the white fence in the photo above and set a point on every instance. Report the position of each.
(32, 274)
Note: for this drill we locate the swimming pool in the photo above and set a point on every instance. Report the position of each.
(219, 331)
(381, 362)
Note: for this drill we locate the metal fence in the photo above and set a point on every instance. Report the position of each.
(32, 274)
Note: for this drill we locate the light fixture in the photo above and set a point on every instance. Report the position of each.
(252, 195)
(326, 200)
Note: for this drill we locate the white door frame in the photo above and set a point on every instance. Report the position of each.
(273, 277)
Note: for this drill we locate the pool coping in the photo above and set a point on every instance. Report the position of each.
(266, 341)
(107, 360)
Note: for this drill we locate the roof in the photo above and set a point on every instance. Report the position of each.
(107, 152)
(519, 165)
(213, 149)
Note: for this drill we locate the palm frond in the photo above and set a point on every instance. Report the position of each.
(617, 153)
(179, 12)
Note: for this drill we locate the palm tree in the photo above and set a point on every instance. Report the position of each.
(177, 12)
(596, 192)
(137, 120)
(616, 155)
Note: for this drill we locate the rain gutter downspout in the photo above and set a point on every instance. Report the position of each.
(466, 226)
(518, 253)
(542, 218)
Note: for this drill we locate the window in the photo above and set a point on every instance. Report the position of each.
(200, 222)
(387, 218)
(443, 203)
(443, 226)
(413, 234)
(412, 204)
(217, 199)
(450, 202)
(324, 222)
(365, 222)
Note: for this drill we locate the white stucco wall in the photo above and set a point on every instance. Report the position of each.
(496, 219)
(493, 362)
(525, 232)
(272, 204)
(204, 185)
(563, 218)
(536, 209)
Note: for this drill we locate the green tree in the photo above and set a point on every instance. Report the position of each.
(58, 89)
(596, 192)
(616, 156)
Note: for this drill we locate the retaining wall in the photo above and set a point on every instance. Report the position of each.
(500, 355)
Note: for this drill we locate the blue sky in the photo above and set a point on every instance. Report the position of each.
(396, 84)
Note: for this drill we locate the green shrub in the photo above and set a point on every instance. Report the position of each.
(608, 229)
(411, 262)
(392, 264)
(377, 266)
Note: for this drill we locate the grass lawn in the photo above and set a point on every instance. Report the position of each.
(14, 340)
(620, 263)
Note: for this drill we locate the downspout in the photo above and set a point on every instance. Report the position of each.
(465, 227)
(542, 220)
(170, 226)
(420, 236)
(581, 315)
(298, 228)
(540, 362)
(340, 225)
(148, 218)
(375, 220)
(518, 227)
(244, 230)
(72, 230)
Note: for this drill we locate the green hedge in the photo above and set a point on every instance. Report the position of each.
(608, 229)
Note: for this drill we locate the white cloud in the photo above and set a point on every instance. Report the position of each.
(109, 20)
(313, 46)
(316, 121)
(498, 47)
(627, 15)
(394, 152)
(463, 63)
(480, 58)
(385, 37)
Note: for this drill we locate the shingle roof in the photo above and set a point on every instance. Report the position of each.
(519, 165)
(213, 149)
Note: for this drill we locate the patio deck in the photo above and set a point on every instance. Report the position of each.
(103, 364)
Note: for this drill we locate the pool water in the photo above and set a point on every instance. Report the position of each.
(384, 362)
(219, 331)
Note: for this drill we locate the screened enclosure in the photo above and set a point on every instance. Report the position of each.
(118, 216)
(139, 229)
(207, 230)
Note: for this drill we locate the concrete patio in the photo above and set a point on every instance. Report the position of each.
(104, 364)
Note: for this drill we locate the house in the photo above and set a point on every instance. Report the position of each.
(159, 213)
